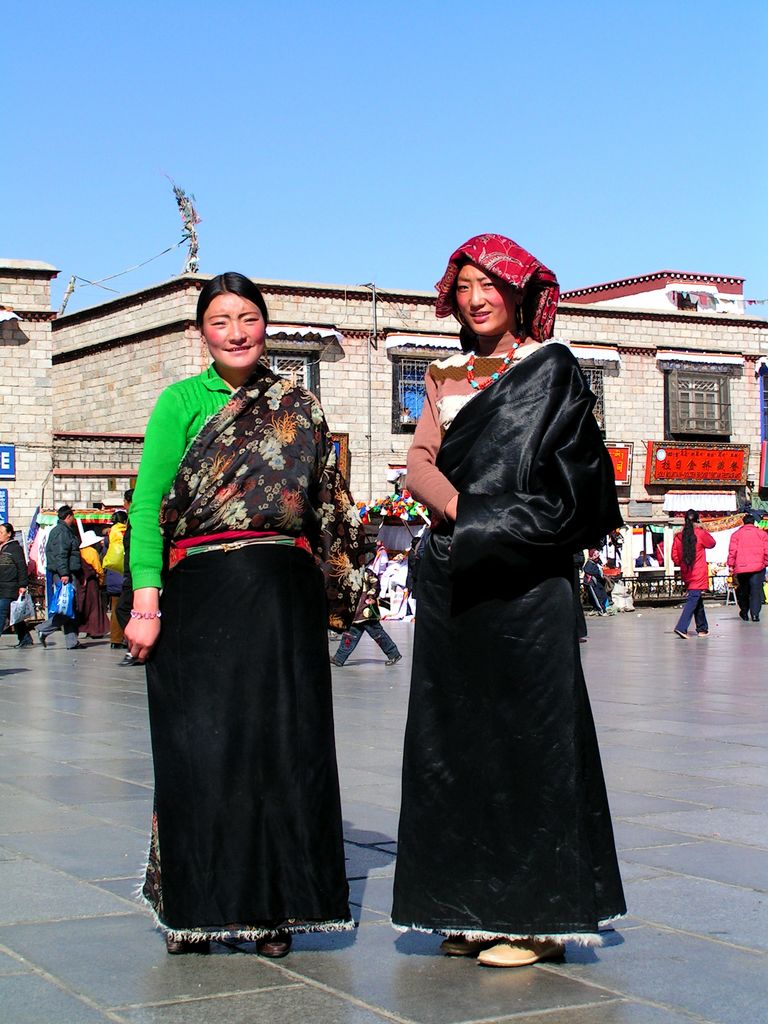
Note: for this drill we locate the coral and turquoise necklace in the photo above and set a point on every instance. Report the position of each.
(506, 363)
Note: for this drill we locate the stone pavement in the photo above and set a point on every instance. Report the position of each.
(684, 736)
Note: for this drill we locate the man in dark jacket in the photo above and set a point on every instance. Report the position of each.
(62, 555)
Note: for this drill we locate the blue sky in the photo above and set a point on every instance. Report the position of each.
(363, 142)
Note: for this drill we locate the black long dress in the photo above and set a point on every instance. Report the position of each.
(505, 828)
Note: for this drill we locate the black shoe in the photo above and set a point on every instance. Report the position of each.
(76, 647)
(116, 647)
(755, 618)
(394, 659)
(26, 642)
(176, 946)
(744, 616)
(42, 638)
(274, 947)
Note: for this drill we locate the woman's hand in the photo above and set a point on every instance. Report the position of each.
(452, 508)
(143, 633)
(22, 591)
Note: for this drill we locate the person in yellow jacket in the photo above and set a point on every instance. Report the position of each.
(114, 566)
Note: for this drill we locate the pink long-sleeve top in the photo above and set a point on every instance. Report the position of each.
(447, 389)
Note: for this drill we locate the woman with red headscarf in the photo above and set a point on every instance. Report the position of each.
(505, 841)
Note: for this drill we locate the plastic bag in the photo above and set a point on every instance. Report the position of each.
(115, 557)
(23, 608)
(63, 602)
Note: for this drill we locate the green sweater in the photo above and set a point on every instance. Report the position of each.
(179, 415)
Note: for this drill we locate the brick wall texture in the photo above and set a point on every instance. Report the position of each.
(111, 361)
(26, 411)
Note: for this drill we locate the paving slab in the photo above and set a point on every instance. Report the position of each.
(719, 823)
(617, 1012)
(711, 909)
(21, 811)
(122, 961)
(35, 892)
(107, 851)
(284, 1005)
(722, 862)
(29, 999)
(406, 974)
(686, 974)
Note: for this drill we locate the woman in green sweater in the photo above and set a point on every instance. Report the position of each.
(243, 536)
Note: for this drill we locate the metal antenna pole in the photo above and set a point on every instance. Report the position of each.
(67, 293)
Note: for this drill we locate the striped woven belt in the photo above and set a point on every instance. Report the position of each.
(178, 554)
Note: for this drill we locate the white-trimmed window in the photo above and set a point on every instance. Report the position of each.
(594, 375)
(698, 403)
(408, 392)
(298, 369)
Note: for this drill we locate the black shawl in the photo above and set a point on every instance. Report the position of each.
(505, 828)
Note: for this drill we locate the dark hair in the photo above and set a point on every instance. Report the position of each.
(128, 495)
(10, 530)
(234, 284)
(64, 512)
(689, 537)
(119, 516)
(749, 517)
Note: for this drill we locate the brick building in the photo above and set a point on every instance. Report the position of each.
(675, 363)
(26, 413)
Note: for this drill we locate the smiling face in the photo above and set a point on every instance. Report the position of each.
(486, 305)
(234, 330)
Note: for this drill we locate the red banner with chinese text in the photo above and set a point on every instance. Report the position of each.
(670, 462)
(621, 457)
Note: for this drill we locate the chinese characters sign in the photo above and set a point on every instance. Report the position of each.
(621, 457)
(669, 462)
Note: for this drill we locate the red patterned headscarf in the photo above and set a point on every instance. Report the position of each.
(505, 259)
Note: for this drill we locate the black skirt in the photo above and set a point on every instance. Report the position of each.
(247, 832)
(504, 828)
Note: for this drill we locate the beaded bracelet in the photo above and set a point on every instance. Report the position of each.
(145, 615)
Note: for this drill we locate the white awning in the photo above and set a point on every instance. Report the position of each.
(596, 353)
(670, 355)
(296, 331)
(702, 501)
(8, 314)
(450, 341)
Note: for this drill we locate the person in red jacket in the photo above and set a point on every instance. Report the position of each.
(747, 559)
(689, 552)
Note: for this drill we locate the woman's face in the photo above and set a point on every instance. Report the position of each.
(4, 535)
(234, 331)
(487, 305)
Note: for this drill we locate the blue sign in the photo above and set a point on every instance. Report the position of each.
(7, 461)
(3, 505)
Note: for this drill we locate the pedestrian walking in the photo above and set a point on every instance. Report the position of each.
(114, 574)
(505, 840)
(91, 616)
(747, 560)
(265, 553)
(689, 551)
(14, 581)
(62, 556)
(367, 620)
